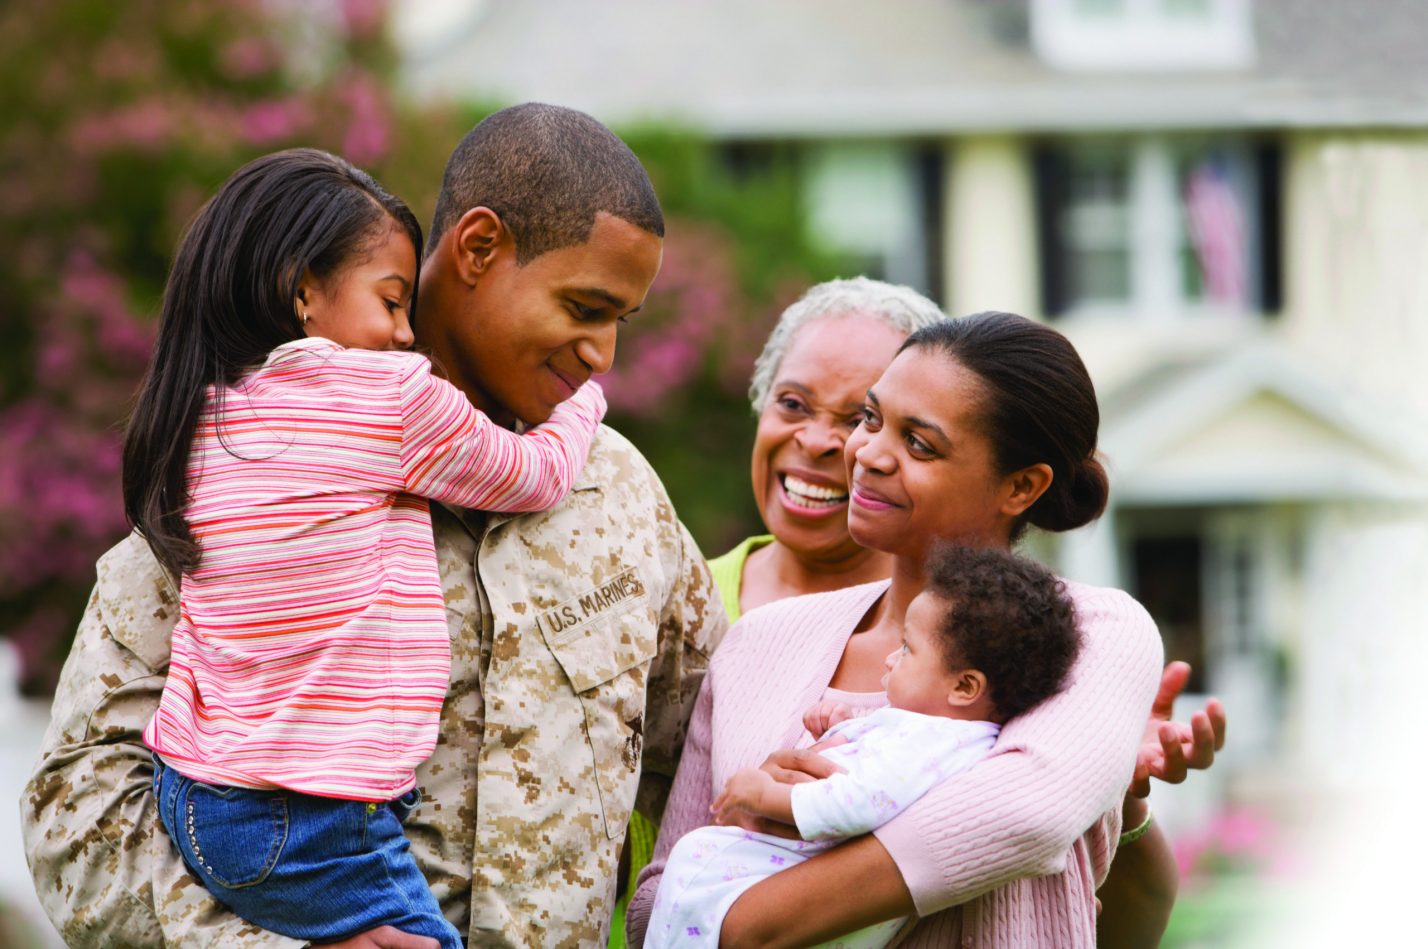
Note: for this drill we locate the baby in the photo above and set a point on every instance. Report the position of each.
(990, 637)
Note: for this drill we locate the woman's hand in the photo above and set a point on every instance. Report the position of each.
(1171, 749)
(797, 765)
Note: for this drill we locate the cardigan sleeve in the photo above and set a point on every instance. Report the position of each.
(1052, 775)
(687, 809)
(451, 451)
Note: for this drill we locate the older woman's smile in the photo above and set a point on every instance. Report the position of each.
(811, 496)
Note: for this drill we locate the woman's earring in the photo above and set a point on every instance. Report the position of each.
(303, 317)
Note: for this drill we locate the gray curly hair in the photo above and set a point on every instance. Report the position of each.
(902, 308)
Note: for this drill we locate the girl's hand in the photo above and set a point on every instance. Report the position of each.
(743, 792)
(824, 716)
(1169, 749)
(385, 937)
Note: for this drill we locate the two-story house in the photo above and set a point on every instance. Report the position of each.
(1224, 203)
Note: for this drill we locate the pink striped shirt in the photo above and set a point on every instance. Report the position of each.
(311, 650)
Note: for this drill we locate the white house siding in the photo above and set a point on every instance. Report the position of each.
(1358, 687)
(1356, 240)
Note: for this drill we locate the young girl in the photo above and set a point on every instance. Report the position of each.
(278, 458)
(990, 637)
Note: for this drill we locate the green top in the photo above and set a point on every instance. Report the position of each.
(728, 571)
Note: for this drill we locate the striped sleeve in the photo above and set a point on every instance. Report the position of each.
(453, 452)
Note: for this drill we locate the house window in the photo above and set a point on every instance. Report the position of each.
(879, 205)
(1100, 8)
(1149, 35)
(1187, 9)
(1158, 227)
(1096, 226)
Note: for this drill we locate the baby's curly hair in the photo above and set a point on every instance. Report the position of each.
(1008, 617)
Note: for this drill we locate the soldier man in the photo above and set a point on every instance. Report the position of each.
(579, 636)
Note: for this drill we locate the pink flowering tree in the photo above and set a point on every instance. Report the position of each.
(735, 254)
(119, 120)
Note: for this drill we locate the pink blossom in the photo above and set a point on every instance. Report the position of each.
(146, 126)
(1189, 849)
(1242, 833)
(248, 57)
(1236, 837)
(267, 122)
(363, 18)
(368, 132)
(120, 60)
(666, 347)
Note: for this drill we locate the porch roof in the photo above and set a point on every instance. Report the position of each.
(836, 68)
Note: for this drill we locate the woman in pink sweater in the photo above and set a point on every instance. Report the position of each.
(980, 428)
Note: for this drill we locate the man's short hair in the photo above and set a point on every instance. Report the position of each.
(546, 171)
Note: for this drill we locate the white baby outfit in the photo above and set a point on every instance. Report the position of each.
(892, 757)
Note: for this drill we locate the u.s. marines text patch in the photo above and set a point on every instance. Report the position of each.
(608, 599)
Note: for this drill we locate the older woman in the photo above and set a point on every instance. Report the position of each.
(808, 389)
(978, 429)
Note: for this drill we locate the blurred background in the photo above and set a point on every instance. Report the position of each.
(1224, 203)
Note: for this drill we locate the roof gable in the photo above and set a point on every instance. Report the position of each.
(1254, 427)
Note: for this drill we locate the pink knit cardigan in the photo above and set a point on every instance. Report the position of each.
(1008, 854)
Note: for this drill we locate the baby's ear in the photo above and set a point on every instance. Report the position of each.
(968, 685)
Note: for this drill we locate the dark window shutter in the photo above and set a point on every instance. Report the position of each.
(1269, 169)
(929, 162)
(1050, 173)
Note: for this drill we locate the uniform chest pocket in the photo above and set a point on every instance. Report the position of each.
(607, 661)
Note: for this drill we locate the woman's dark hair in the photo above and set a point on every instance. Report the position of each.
(230, 300)
(1039, 407)
(1008, 617)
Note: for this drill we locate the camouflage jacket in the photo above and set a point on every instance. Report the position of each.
(579, 637)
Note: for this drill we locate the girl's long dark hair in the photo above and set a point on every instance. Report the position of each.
(230, 300)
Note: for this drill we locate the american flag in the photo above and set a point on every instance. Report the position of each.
(1212, 209)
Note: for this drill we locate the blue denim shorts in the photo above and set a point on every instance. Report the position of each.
(313, 868)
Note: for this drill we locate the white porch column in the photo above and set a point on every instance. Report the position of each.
(990, 238)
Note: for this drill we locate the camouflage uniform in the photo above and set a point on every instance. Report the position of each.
(579, 637)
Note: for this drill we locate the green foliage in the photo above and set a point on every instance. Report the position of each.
(119, 120)
(745, 210)
(116, 123)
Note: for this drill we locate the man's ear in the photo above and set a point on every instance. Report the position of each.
(1023, 487)
(968, 685)
(477, 241)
